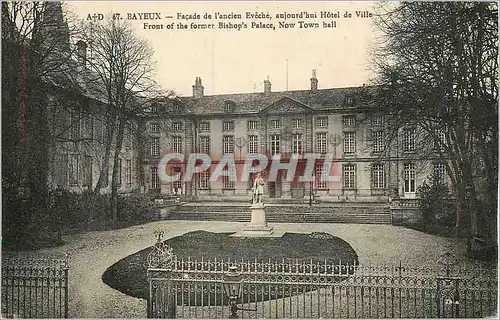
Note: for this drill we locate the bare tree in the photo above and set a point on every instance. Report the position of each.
(122, 64)
(438, 71)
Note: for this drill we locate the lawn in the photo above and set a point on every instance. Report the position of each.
(129, 275)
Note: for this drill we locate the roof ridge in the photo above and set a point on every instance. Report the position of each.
(275, 92)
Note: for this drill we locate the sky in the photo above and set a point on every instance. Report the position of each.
(231, 61)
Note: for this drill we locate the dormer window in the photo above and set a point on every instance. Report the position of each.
(177, 107)
(155, 108)
(228, 106)
(349, 100)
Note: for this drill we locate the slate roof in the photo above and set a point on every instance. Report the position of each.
(248, 103)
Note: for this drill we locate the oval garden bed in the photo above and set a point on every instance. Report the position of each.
(129, 275)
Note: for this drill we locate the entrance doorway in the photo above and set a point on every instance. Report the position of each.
(297, 189)
(274, 188)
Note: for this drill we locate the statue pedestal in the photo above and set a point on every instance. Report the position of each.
(258, 226)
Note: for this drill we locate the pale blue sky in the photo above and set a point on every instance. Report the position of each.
(239, 61)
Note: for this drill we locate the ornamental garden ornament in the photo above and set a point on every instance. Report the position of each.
(162, 255)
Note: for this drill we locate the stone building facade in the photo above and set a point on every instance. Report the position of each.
(79, 116)
(327, 122)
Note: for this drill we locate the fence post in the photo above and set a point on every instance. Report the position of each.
(438, 296)
(171, 303)
(161, 260)
(66, 290)
(150, 298)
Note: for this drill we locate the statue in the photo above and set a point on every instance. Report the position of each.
(258, 189)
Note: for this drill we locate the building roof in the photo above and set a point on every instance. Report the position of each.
(245, 103)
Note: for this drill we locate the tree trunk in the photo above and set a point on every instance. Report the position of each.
(116, 168)
(38, 144)
(104, 173)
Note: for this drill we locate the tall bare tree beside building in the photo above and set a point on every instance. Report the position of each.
(122, 64)
(438, 70)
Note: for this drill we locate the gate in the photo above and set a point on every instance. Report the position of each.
(34, 288)
(185, 288)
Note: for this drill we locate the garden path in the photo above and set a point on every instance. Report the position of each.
(91, 253)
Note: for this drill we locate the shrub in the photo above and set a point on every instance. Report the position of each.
(137, 207)
(436, 203)
(73, 210)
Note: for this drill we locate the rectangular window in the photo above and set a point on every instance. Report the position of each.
(440, 172)
(62, 123)
(409, 177)
(275, 144)
(409, 139)
(253, 144)
(378, 177)
(227, 126)
(349, 176)
(320, 178)
(177, 144)
(75, 126)
(298, 123)
(321, 144)
(204, 179)
(62, 169)
(155, 179)
(128, 171)
(88, 127)
(205, 144)
(349, 121)
(378, 141)
(205, 126)
(155, 146)
(73, 170)
(441, 141)
(176, 126)
(297, 143)
(349, 142)
(275, 124)
(104, 128)
(226, 180)
(321, 122)
(227, 144)
(154, 127)
(377, 121)
(252, 125)
(87, 171)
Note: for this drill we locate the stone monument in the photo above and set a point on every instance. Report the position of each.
(258, 225)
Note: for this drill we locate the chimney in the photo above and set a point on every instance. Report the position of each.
(81, 52)
(198, 88)
(267, 85)
(314, 81)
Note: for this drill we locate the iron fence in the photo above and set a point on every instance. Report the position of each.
(34, 288)
(297, 289)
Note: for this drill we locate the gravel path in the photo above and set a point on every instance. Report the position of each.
(92, 253)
